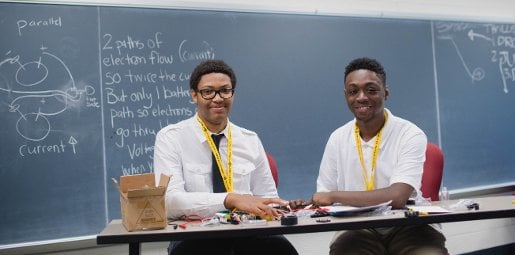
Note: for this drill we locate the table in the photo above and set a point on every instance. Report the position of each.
(489, 208)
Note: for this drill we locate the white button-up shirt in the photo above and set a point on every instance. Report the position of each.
(182, 152)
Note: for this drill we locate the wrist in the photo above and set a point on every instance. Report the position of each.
(228, 201)
(333, 197)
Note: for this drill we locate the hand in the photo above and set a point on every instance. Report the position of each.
(254, 205)
(322, 198)
(299, 203)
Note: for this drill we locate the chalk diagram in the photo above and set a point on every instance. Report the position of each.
(475, 75)
(478, 73)
(28, 94)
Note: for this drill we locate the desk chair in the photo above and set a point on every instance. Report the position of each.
(273, 168)
(433, 171)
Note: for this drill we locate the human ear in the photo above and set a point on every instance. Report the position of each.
(193, 95)
(386, 93)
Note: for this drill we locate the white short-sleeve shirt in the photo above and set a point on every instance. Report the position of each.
(400, 160)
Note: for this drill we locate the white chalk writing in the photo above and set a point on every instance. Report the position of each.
(145, 89)
(499, 38)
(40, 23)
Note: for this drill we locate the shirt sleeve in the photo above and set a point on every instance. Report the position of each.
(412, 154)
(179, 202)
(328, 172)
(262, 181)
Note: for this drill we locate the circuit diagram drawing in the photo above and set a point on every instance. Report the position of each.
(497, 38)
(29, 88)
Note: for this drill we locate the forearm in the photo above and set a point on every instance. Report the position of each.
(199, 203)
(398, 193)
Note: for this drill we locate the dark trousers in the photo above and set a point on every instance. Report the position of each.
(258, 245)
(405, 240)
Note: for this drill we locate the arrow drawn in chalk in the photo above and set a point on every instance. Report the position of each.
(72, 141)
(505, 86)
(471, 34)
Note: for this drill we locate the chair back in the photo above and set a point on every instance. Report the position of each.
(433, 172)
(273, 168)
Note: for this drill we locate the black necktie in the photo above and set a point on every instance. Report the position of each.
(218, 182)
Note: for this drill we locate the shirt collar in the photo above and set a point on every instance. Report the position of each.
(384, 136)
(198, 129)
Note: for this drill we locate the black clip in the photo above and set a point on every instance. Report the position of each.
(411, 213)
(319, 213)
(474, 206)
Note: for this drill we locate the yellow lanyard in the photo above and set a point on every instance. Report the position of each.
(369, 183)
(226, 176)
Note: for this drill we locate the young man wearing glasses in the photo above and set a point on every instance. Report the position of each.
(216, 165)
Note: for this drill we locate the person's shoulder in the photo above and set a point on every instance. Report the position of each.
(243, 131)
(176, 127)
(401, 125)
(401, 122)
(342, 134)
(345, 128)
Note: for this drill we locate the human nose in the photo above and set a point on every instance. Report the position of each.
(362, 95)
(218, 95)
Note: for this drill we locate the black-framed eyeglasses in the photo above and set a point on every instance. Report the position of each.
(209, 94)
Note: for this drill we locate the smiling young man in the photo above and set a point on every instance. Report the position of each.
(375, 158)
(216, 165)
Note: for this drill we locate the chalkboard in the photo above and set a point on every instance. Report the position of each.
(84, 89)
(476, 78)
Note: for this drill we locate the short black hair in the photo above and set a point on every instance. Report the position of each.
(367, 64)
(211, 66)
